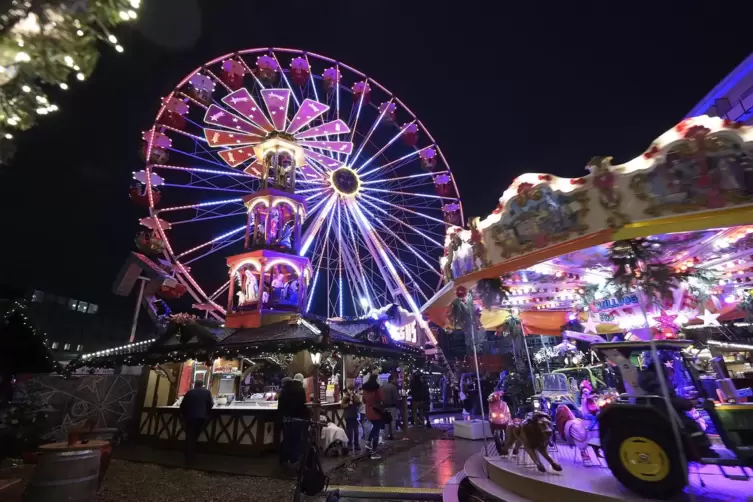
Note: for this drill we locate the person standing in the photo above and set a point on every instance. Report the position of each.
(417, 399)
(391, 401)
(195, 408)
(292, 407)
(373, 399)
(350, 404)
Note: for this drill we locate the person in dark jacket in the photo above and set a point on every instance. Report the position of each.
(195, 408)
(350, 404)
(419, 400)
(391, 403)
(292, 405)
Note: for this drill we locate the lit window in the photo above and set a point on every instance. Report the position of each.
(79, 348)
(54, 345)
(38, 296)
(82, 306)
(72, 304)
(92, 308)
(67, 346)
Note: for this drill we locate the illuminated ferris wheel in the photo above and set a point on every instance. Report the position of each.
(379, 192)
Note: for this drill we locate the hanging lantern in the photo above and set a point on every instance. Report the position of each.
(201, 88)
(174, 113)
(156, 145)
(388, 109)
(266, 69)
(149, 243)
(232, 74)
(428, 159)
(452, 214)
(361, 89)
(172, 293)
(299, 71)
(139, 196)
(331, 77)
(410, 134)
(442, 185)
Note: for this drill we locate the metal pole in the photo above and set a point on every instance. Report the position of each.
(478, 376)
(137, 311)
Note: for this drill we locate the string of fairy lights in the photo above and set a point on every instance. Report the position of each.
(19, 309)
(48, 44)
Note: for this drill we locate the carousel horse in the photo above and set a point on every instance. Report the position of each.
(572, 430)
(533, 434)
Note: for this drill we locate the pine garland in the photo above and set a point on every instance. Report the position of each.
(45, 43)
(492, 292)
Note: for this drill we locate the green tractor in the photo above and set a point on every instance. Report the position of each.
(648, 438)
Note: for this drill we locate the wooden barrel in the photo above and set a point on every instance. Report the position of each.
(65, 476)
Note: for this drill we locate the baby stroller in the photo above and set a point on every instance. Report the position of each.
(334, 440)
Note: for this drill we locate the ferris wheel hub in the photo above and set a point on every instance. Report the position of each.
(345, 181)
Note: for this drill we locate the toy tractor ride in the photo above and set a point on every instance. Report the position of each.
(646, 444)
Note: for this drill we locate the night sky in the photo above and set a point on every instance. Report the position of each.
(531, 86)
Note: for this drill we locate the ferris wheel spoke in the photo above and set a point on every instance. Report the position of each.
(197, 205)
(382, 150)
(183, 95)
(404, 224)
(203, 215)
(250, 72)
(219, 291)
(285, 78)
(367, 138)
(354, 127)
(221, 238)
(341, 293)
(401, 178)
(314, 227)
(202, 159)
(321, 257)
(401, 265)
(404, 209)
(393, 164)
(422, 195)
(231, 190)
(216, 247)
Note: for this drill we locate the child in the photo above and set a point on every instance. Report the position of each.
(350, 403)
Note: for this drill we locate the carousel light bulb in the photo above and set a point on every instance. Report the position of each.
(119, 48)
(20, 43)
(22, 57)
(80, 76)
(135, 3)
(26, 88)
(112, 39)
(8, 136)
(123, 15)
(68, 60)
(80, 33)
(64, 86)
(12, 122)
(132, 14)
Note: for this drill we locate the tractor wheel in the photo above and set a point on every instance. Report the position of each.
(645, 459)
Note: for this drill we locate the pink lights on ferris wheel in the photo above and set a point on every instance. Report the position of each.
(389, 238)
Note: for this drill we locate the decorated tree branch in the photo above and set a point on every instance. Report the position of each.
(45, 43)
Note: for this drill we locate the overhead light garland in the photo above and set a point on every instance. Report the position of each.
(50, 43)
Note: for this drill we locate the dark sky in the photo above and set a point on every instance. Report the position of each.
(504, 87)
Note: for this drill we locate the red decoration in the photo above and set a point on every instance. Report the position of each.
(428, 159)
(201, 88)
(388, 109)
(524, 187)
(578, 181)
(171, 293)
(682, 126)
(545, 177)
(173, 114)
(666, 321)
(461, 291)
(500, 207)
(331, 77)
(266, 69)
(299, 71)
(232, 74)
(731, 124)
(361, 89)
(651, 152)
(410, 134)
(139, 195)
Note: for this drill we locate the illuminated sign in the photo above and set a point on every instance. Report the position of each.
(407, 333)
(613, 303)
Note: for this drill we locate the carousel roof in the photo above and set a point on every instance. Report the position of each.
(549, 238)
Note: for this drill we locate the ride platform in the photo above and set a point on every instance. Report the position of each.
(516, 478)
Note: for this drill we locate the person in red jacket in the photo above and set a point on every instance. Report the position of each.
(373, 400)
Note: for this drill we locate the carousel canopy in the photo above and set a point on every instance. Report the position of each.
(552, 240)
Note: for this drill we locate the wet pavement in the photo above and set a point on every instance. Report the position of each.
(426, 460)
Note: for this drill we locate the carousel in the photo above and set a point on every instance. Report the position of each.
(644, 269)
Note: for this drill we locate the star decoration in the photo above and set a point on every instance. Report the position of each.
(681, 319)
(590, 325)
(666, 321)
(709, 319)
(670, 364)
